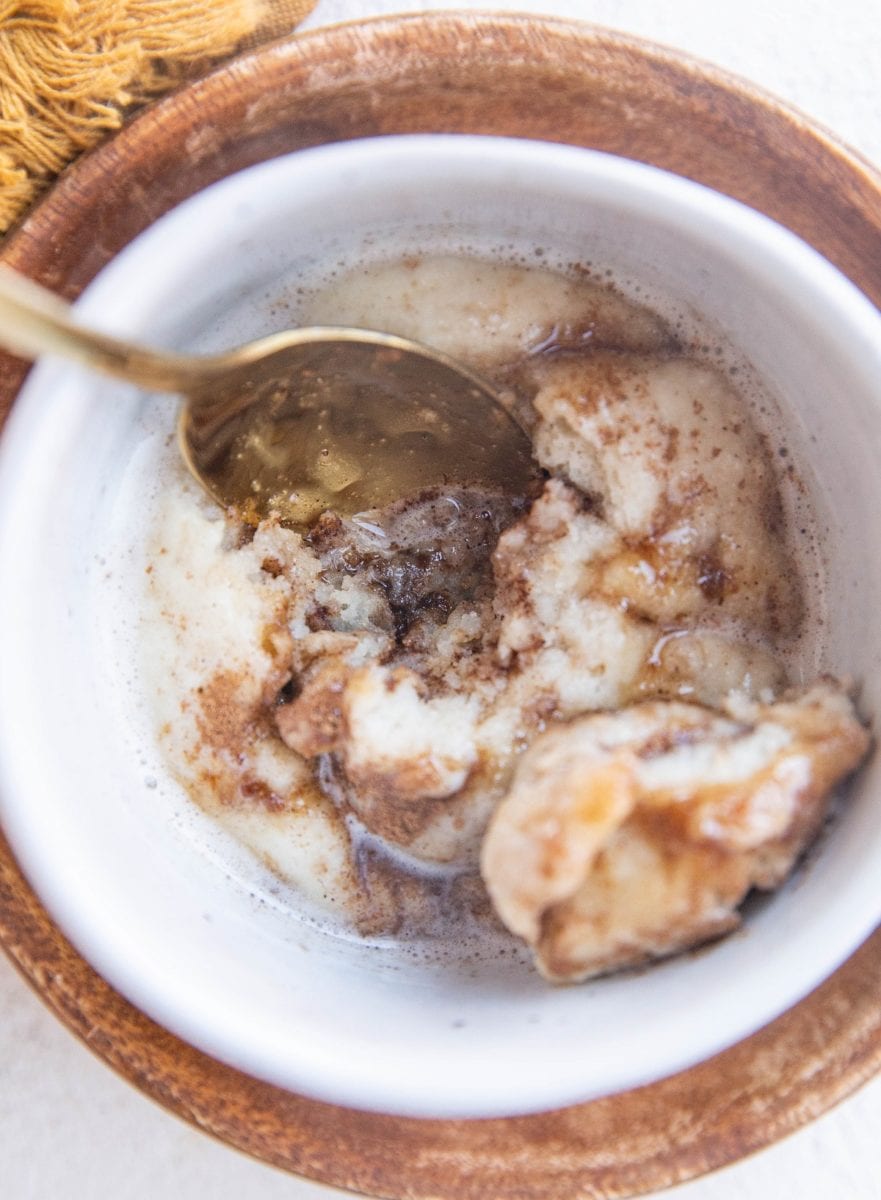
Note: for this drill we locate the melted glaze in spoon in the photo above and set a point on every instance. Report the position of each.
(306, 420)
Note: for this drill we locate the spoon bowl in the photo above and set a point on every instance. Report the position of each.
(304, 420)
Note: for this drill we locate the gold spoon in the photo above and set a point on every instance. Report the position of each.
(306, 420)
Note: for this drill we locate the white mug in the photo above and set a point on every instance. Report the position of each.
(151, 895)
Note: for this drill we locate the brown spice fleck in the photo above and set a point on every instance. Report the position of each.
(252, 788)
(272, 567)
(712, 579)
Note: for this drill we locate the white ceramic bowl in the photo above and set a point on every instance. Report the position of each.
(108, 840)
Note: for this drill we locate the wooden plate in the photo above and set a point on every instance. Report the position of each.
(501, 75)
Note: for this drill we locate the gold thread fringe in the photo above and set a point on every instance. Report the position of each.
(71, 69)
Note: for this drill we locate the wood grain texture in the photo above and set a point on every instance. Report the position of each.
(557, 81)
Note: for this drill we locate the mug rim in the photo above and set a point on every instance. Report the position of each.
(679, 196)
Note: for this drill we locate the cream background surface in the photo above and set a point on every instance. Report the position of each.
(71, 1128)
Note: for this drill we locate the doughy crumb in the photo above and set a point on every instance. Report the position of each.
(597, 672)
(629, 836)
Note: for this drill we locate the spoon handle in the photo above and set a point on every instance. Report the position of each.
(34, 321)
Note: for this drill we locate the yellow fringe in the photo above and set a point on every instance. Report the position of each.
(69, 70)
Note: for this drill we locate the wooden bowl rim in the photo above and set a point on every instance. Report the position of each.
(621, 1145)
